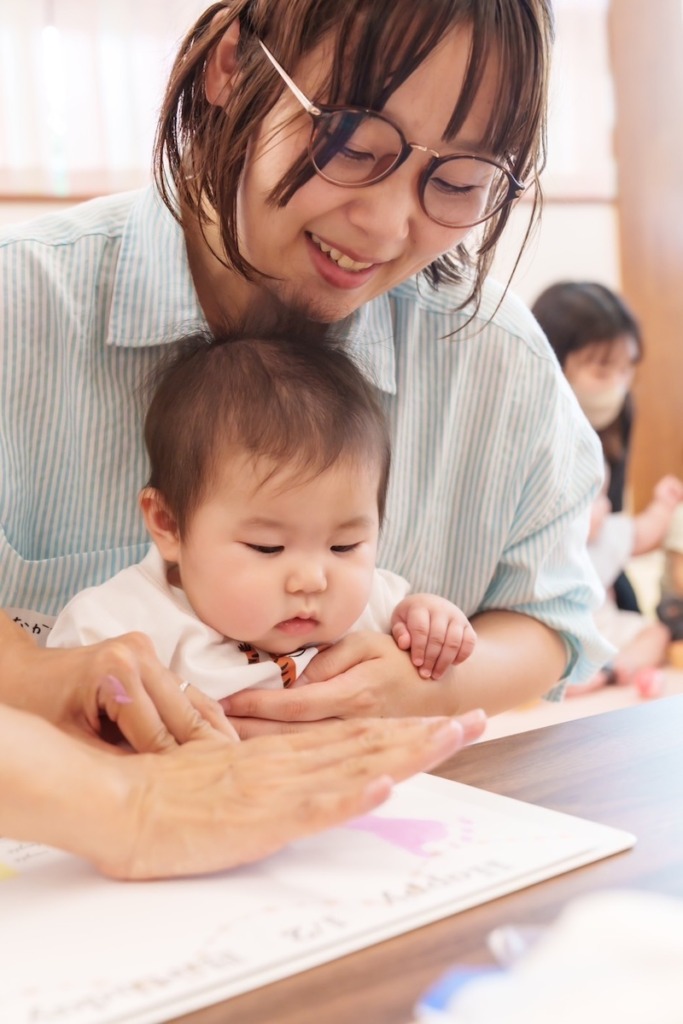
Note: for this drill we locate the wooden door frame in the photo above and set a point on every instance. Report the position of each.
(646, 43)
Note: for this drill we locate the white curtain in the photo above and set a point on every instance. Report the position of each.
(80, 86)
(581, 119)
(81, 82)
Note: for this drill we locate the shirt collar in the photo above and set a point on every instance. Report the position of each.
(154, 297)
(371, 342)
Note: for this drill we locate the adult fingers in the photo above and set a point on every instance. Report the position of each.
(397, 748)
(304, 704)
(251, 728)
(340, 657)
(362, 746)
(144, 698)
(402, 747)
(337, 699)
(367, 779)
(211, 711)
(473, 724)
(320, 778)
(417, 747)
(205, 807)
(264, 739)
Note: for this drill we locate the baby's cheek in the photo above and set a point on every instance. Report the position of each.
(363, 590)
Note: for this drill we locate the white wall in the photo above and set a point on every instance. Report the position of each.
(575, 241)
(15, 212)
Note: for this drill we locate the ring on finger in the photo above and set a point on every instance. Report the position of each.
(184, 685)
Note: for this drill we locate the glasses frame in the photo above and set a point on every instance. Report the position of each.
(315, 111)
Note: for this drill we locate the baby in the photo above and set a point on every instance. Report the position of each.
(269, 454)
(670, 608)
(598, 342)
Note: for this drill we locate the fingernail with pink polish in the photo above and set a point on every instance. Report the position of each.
(117, 690)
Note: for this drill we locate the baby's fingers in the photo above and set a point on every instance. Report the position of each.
(458, 644)
(441, 646)
(418, 625)
(401, 635)
(467, 644)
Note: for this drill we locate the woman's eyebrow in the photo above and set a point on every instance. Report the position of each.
(476, 146)
(452, 146)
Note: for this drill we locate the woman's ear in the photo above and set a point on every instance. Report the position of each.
(161, 524)
(222, 65)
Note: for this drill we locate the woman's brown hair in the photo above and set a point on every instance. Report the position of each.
(201, 148)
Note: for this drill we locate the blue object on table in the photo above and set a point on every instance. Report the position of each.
(434, 1006)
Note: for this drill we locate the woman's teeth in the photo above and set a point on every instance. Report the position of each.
(340, 258)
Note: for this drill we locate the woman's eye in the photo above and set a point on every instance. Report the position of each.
(266, 549)
(342, 549)
(355, 155)
(451, 188)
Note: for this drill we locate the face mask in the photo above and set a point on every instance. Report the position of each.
(602, 407)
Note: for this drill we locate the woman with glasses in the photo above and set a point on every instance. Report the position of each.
(356, 160)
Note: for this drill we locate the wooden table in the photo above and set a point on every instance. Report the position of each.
(622, 768)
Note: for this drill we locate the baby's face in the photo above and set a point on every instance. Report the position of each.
(279, 563)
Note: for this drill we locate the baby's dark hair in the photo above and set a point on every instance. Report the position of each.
(289, 393)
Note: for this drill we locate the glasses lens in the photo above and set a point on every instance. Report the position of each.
(351, 147)
(464, 190)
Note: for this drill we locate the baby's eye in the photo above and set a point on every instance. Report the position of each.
(267, 549)
(342, 549)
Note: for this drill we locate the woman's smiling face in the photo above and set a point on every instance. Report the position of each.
(329, 250)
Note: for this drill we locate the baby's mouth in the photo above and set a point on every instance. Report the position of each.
(299, 625)
(339, 257)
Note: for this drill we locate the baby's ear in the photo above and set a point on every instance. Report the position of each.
(160, 522)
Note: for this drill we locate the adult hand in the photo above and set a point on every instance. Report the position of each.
(365, 675)
(516, 659)
(206, 806)
(124, 681)
(119, 681)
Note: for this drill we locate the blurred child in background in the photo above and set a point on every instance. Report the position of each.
(598, 343)
(614, 538)
(670, 608)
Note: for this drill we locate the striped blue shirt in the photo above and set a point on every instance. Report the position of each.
(494, 465)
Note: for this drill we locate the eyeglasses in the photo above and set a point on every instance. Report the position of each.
(353, 147)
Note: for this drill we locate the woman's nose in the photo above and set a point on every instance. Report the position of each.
(384, 211)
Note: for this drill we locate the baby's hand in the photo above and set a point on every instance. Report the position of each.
(669, 491)
(437, 633)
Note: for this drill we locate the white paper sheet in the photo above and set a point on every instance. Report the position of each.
(79, 949)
